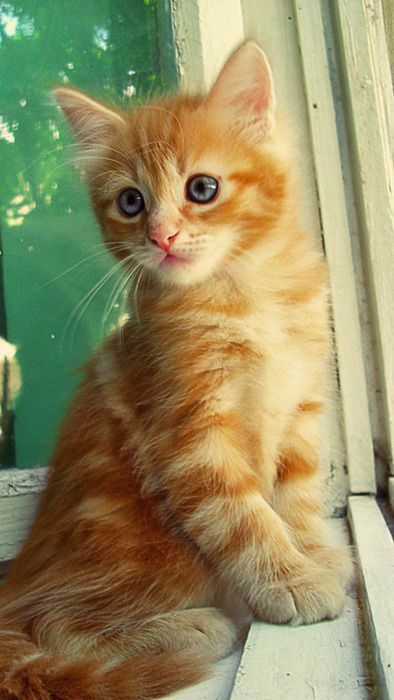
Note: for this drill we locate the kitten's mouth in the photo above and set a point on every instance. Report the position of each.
(170, 260)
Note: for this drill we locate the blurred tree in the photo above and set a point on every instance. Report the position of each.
(119, 50)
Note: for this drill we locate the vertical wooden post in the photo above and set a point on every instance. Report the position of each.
(321, 111)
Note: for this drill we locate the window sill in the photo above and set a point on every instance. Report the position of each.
(350, 658)
(347, 658)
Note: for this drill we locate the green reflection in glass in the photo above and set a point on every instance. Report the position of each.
(115, 49)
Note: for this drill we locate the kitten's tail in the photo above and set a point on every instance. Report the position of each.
(28, 673)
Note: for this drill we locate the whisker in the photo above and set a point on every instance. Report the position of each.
(82, 158)
(81, 307)
(126, 297)
(104, 251)
(135, 293)
(46, 154)
(117, 289)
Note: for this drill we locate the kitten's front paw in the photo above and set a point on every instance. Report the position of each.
(338, 560)
(321, 599)
(302, 601)
(276, 605)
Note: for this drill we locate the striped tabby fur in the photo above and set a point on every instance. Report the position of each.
(189, 459)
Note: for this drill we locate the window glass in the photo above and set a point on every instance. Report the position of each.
(55, 276)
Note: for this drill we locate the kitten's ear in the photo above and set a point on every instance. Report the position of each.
(91, 121)
(245, 88)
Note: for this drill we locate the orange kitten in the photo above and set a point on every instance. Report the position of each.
(189, 458)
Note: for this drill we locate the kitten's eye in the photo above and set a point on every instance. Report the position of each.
(202, 188)
(131, 202)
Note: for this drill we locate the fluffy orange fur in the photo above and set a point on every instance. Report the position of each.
(188, 462)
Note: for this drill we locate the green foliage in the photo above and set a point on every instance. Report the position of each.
(119, 50)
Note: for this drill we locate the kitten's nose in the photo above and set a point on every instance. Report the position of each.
(161, 237)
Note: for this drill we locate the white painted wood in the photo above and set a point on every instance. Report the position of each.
(391, 491)
(327, 161)
(379, 44)
(16, 517)
(202, 44)
(370, 110)
(375, 551)
(218, 687)
(322, 661)
(19, 495)
(17, 482)
(388, 15)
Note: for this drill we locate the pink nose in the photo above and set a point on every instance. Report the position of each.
(161, 237)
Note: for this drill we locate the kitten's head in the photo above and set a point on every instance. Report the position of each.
(186, 185)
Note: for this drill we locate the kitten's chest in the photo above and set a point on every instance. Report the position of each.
(235, 355)
(272, 369)
(219, 360)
